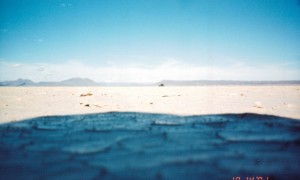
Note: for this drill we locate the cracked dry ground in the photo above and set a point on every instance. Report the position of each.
(150, 146)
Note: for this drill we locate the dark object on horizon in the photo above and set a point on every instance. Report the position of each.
(226, 83)
(161, 85)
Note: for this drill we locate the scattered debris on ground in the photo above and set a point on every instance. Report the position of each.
(258, 104)
(171, 95)
(87, 94)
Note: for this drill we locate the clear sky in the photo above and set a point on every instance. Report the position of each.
(148, 41)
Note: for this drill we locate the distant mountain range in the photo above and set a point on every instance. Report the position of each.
(19, 82)
(68, 82)
(89, 82)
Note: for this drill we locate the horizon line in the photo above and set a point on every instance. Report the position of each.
(172, 81)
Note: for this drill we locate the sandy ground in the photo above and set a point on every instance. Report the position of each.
(141, 141)
(19, 103)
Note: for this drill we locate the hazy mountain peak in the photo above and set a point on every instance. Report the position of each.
(78, 79)
(78, 82)
(18, 82)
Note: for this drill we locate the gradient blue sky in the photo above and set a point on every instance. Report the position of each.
(139, 40)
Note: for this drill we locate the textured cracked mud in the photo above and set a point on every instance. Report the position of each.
(132, 145)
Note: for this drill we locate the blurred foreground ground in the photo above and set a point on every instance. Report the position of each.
(132, 145)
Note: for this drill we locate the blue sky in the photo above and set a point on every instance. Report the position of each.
(147, 41)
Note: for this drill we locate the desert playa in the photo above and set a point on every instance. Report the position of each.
(20, 103)
(194, 132)
(170, 89)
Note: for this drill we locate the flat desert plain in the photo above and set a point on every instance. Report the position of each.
(20, 103)
(152, 133)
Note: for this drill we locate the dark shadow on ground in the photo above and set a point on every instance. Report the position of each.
(127, 145)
